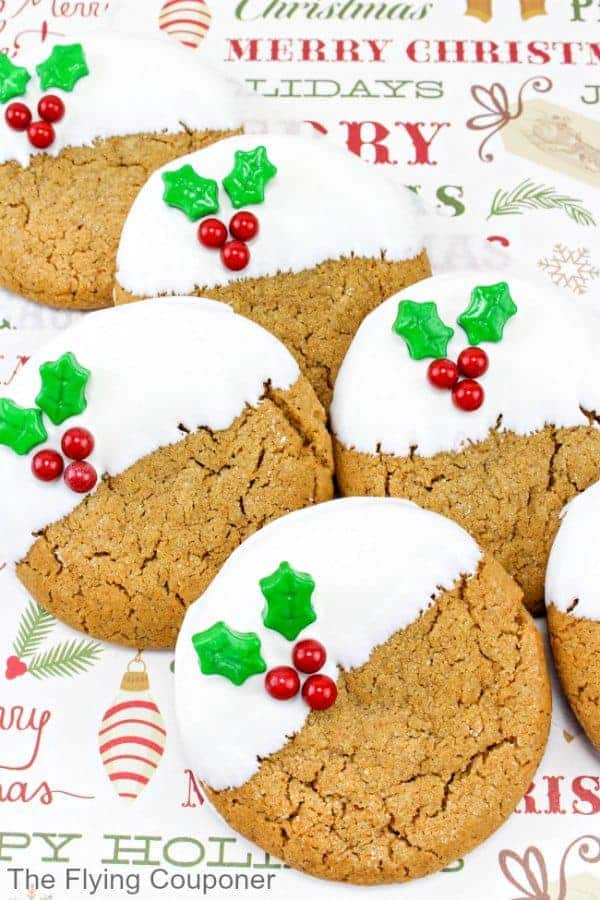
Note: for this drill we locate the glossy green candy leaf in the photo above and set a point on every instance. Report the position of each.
(20, 429)
(488, 312)
(288, 593)
(246, 183)
(65, 66)
(426, 336)
(191, 193)
(13, 79)
(232, 654)
(63, 388)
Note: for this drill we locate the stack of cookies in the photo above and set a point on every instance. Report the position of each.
(268, 333)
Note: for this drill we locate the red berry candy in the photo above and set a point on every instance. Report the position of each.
(468, 395)
(18, 116)
(80, 476)
(282, 682)
(235, 255)
(442, 373)
(244, 226)
(212, 233)
(41, 135)
(77, 443)
(309, 656)
(47, 465)
(319, 691)
(51, 108)
(473, 362)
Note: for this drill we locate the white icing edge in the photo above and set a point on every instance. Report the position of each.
(366, 555)
(544, 369)
(135, 85)
(155, 365)
(573, 572)
(322, 204)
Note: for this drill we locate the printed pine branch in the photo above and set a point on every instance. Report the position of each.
(34, 628)
(65, 660)
(529, 195)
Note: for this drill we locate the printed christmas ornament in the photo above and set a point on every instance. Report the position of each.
(132, 734)
(187, 21)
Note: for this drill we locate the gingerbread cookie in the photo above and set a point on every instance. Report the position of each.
(377, 694)
(84, 125)
(573, 602)
(140, 447)
(292, 232)
(475, 397)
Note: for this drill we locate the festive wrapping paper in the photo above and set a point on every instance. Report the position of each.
(488, 110)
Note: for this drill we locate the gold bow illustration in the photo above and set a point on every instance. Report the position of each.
(482, 9)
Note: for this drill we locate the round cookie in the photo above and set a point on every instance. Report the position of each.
(443, 700)
(505, 469)
(336, 237)
(142, 103)
(573, 603)
(203, 430)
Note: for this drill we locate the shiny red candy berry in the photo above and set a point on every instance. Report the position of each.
(77, 443)
(81, 477)
(235, 255)
(468, 395)
(282, 682)
(442, 373)
(41, 135)
(473, 362)
(319, 692)
(244, 226)
(309, 656)
(51, 108)
(47, 465)
(17, 116)
(212, 233)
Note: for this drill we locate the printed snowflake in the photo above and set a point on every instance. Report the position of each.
(571, 269)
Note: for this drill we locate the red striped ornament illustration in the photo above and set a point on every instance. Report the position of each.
(186, 20)
(132, 734)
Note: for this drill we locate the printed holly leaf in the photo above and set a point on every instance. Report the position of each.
(288, 594)
(63, 388)
(191, 193)
(13, 79)
(246, 183)
(426, 336)
(20, 429)
(63, 68)
(232, 654)
(488, 312)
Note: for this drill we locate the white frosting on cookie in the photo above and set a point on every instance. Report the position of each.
(154, 366)
(135, 85)
(573, 574)
(322, 204)
(546, 366)
(377, 564)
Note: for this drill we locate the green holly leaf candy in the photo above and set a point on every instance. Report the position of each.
(248, 179)
(288, 594)
(13, 79)
(63, 388)
(426, 336)
(191, 193)
(63, 68)
(20, 429)
(488, 312)
(232, 654)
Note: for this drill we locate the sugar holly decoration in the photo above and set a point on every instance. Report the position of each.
(231, 654)
(488, 312)
(63, 388)
(65, 66)
(191, 193)
(288, 608)
(13, 79)
(20, 429)
(420, 325)
(252, 170)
